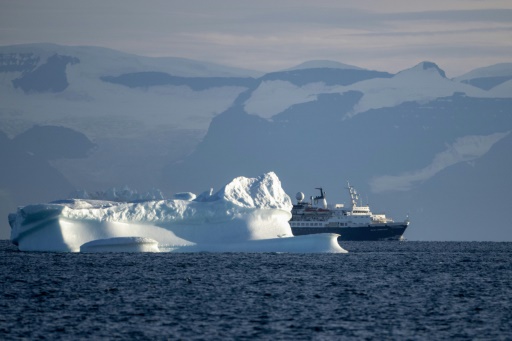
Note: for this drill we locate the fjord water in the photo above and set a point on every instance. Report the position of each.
(379, 290)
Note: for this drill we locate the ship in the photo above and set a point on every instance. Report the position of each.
(355, 222)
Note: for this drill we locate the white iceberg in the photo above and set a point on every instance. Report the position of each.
(246, 215)
(121, 244)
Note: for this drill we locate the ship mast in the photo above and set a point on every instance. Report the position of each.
(354, 197)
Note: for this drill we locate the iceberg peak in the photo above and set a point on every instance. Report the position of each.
(264, 191)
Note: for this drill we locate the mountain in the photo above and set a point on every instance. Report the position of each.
(423, 82)
(84, 80)
(27, 57)
(451, 205)
(151, 78)
(503, 90)
(137, 127)
(323, 64)
(488, 77)
(27, 174)
(419, 127)
(53, 143)
(414, 142)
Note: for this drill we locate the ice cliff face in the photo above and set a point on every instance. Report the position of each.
(243, 211)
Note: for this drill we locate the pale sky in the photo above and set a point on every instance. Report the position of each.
(458, 35)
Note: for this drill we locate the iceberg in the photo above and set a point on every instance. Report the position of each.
(121, 244)
(246, 215)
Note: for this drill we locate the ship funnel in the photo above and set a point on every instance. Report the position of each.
(321, 198)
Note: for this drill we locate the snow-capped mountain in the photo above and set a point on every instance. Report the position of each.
(395, 137)
(60, 80)
(414, 141)
(423, 82)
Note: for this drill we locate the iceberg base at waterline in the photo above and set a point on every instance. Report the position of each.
(121, 244)
(246, 215)
(318, 243)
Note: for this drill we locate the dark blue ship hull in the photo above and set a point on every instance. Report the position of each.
(360, 233)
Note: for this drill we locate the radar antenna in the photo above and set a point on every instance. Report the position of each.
(300, 197)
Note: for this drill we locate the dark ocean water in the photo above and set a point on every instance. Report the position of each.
(378, 291)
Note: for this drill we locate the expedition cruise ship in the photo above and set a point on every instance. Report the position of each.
(351, 223)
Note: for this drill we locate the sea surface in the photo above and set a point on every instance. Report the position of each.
(377, 291)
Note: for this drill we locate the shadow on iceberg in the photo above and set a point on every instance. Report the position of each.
(121, 244)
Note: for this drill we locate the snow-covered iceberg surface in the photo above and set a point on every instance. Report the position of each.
(246, 215)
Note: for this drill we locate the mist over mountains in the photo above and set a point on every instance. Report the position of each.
(414, 143)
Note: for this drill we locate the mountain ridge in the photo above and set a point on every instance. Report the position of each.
(48, 49)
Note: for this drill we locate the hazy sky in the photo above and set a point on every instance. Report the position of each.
(459, 35)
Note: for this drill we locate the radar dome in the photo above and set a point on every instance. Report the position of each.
(299, 196)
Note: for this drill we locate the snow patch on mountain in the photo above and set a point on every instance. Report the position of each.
(504, 90)
(85, 103)
(101, 109)
(423, 82)
(464, 149)
(273, 97)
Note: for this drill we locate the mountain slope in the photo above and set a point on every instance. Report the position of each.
(27, 175)
(488, 77)
(388, 153)
(149, 79)
(453, 205)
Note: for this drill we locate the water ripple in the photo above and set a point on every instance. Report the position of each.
(399, 291)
